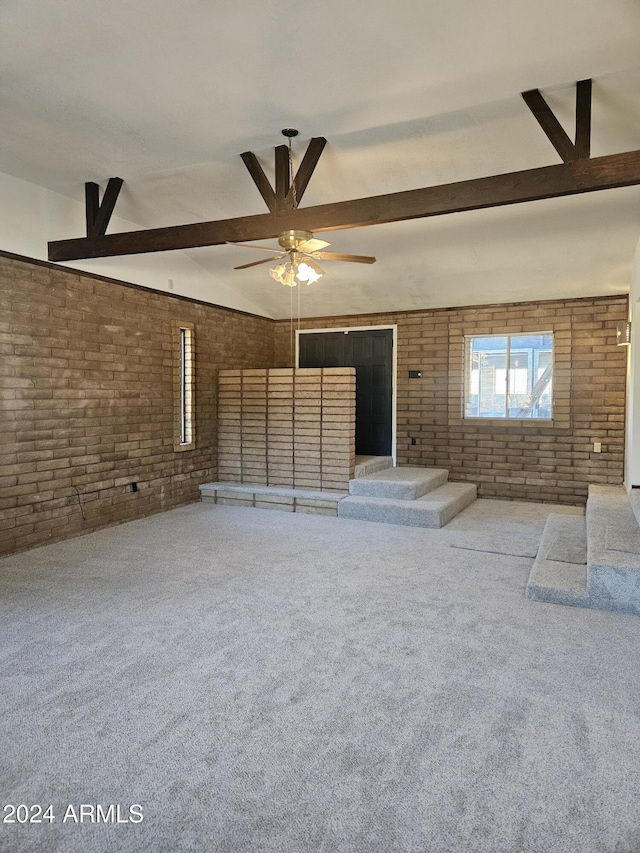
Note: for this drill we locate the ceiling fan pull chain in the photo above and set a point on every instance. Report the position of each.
(291, 313)
(291, 178)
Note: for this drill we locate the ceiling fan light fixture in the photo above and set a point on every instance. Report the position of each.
(299, 252)
(285, 274)
(289, 278)
(308, 272)
(278, 273)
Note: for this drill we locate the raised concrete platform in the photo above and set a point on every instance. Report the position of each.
(272, 497)
(613, 539)
(434, 509)
(593, 562)
(404, 483)
(559, 573)
(371, 464)
(420, 497)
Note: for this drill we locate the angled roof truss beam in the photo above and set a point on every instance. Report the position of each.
(306, 169)
(287, 194)
(98, 214)
(556, 134)
(259, 179)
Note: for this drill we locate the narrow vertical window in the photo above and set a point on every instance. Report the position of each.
(184, 386)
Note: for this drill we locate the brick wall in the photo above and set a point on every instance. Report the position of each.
(87, 399)
(521, 461)
(287, 427)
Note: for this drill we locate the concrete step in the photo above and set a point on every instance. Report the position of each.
(371, 464)
(613, 542)
(559, 573)
(434, 509)
(404, 483)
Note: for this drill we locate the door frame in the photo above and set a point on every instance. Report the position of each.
(394, 365)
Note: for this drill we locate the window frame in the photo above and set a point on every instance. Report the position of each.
(184, 389)
(467, 371)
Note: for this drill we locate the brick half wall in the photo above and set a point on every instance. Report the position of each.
(287, 427)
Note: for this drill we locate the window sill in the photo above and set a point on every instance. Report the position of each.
(509, 420)
(516, 423)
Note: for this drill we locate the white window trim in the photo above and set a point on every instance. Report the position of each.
(184, 378)
(467, 377)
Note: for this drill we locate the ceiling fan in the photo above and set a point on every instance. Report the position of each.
(302, 252)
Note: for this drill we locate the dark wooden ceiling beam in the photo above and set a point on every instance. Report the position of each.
(307, 168)
(555, 132)
(578, 176)
(283, 181)
(259, 179)
(284, 197)
(91, 206)
(583, 118)
(98, 215)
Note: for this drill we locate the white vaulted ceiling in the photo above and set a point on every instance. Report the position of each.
(409, 94)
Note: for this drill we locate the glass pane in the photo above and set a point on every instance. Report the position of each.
(530, 379)
(486, 391)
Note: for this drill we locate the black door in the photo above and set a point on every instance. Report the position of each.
(371, 353)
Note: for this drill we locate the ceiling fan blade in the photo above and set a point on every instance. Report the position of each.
(263, 261)
(339, 256)
(250, 246)
(312, 245)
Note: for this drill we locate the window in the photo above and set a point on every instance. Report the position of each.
(184, 386)
(509, 376)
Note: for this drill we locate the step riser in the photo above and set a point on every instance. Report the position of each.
(601, 592)
(614, 589)
(614, 561)
(549, 595)
(390, 515)
(372, 466)
(447, 502)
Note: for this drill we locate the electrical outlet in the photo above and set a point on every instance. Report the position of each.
(597, 447)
